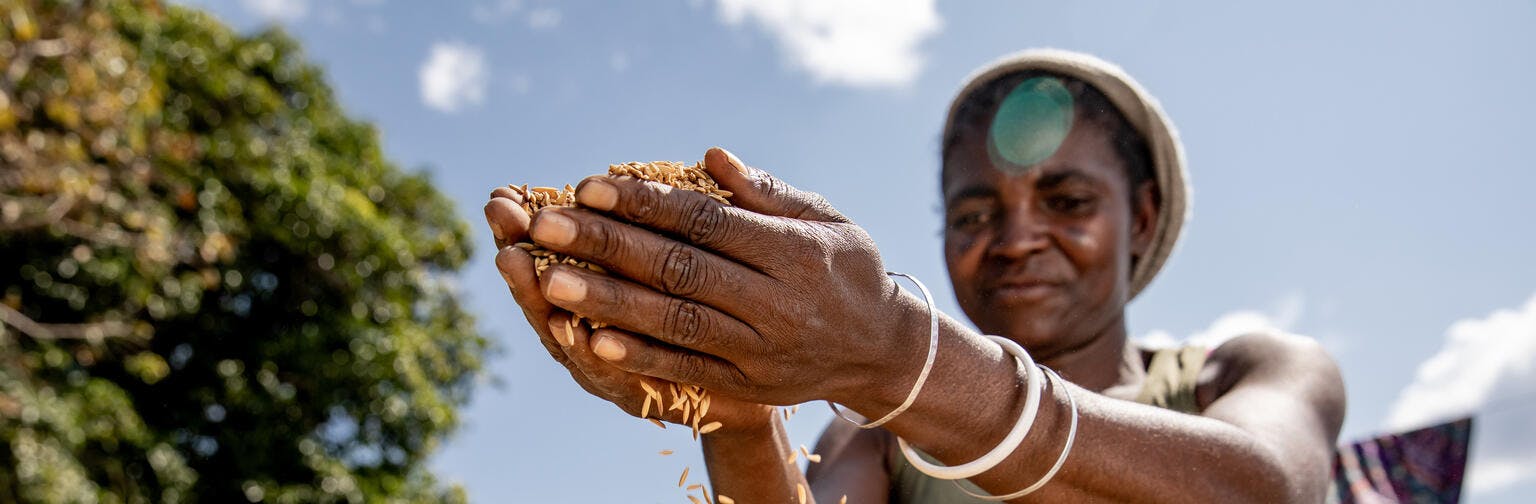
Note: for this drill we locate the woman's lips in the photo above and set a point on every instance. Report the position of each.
(1022, 292)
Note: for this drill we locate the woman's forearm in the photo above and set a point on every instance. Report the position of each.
(1123, 451)
(754, 462)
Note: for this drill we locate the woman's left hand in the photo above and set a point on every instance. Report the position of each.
(778, 299)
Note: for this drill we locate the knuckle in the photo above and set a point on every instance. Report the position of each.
(702, 221)
(643, 205)
(678, 271)
(772, 186)
(686, 322)
(690, 370)
(602, 240)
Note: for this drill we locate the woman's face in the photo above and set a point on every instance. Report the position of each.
(1043, 257)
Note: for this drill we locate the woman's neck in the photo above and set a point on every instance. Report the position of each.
(1108, 363)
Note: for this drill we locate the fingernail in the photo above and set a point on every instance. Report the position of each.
(495, 226)
(598, 194)
(508, 193)
(554, 229)
(735, 161)
(566, 286)
(504, 266)
(608, 348)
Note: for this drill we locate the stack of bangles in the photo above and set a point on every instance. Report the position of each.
(1035, 373)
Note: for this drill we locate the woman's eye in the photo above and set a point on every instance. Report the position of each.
(969, 220)
(1070, 204)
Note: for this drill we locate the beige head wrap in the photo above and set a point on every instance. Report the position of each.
(1144, 114)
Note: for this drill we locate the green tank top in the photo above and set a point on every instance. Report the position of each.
(1171, 378)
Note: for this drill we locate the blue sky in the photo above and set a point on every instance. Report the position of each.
(1360, 170)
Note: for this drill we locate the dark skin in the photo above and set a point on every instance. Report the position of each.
(781, 300)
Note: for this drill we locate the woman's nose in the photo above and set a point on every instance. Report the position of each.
(1020, 234)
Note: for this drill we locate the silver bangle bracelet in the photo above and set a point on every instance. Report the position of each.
(922, 377)
(1060, 460)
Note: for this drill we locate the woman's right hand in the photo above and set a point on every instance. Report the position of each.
(573, 349)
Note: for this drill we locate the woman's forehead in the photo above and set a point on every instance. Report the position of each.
(1085, 154)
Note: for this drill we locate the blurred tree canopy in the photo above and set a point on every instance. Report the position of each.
(213, 286)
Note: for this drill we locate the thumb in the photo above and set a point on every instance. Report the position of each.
(757, 191)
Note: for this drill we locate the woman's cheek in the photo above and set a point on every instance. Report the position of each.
(963, 258)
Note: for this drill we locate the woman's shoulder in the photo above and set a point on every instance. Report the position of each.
(1268, 357)
(1268, 349)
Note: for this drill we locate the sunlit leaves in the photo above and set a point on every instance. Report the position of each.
(267, 273)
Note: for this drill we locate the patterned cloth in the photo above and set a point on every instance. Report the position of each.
(1425, 465)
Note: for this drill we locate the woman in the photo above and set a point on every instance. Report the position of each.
(1063, 193)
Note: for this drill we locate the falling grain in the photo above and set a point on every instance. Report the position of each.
(691, 400)
(665, 452)
(800, 490)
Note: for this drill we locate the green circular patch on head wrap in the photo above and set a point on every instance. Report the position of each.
(1030, 124)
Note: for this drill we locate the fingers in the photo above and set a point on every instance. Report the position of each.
(650, 259)
(646, 356)
(760, 192)
(516, 268)
(689, 216)
(508, 221)
(676, 321)
(607, 381)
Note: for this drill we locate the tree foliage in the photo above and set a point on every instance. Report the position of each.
(215, 287)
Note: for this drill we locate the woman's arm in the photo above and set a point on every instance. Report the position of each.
(751, 464)
(852, 465)
(1266, 435)
(780, 300)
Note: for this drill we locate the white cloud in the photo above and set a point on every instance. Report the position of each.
(543, 19)
(1486, 363)
(1280, 317)
(454, 76)
(278, 10)
(496, 11)
(861, 43)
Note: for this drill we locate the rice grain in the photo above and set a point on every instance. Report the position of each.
(693, 401)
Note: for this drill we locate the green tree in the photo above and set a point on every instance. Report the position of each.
(213, 286)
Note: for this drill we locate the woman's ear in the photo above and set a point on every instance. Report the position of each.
(1144, 210)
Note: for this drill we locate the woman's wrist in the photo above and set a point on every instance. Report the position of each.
(884, 381)
(759, 423)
